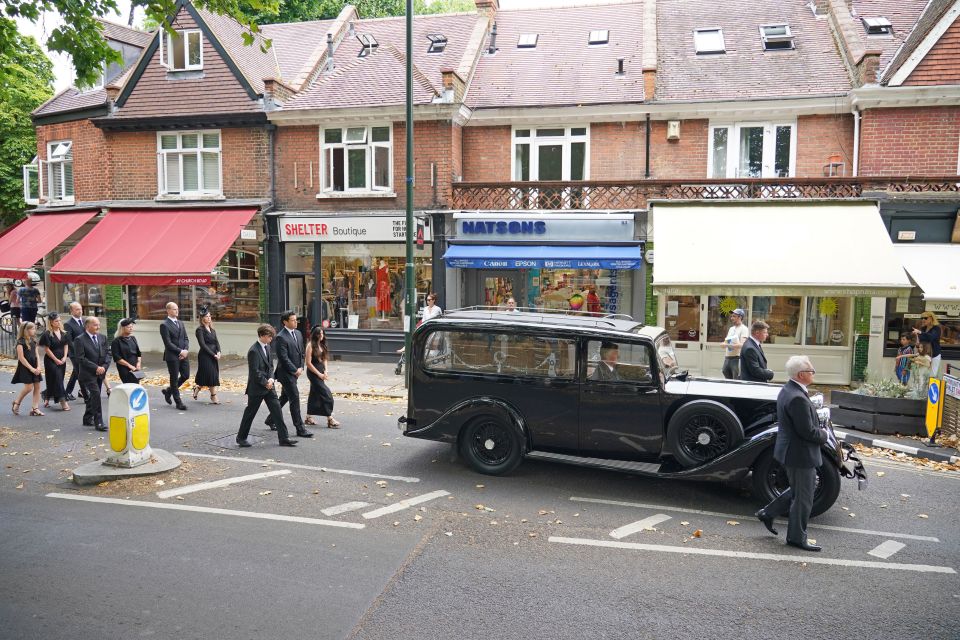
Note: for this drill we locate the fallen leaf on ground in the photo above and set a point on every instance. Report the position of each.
(481, 486)
(448, 533)
(265, 493)
(20, 486)
(698, 533)
(417, 518)
(880, 474)
(732, 523)
(684, 523)
(179, 497)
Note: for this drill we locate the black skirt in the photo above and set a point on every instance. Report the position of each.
(208, 371)
(320, 400)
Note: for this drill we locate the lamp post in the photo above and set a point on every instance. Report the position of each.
(409, 302)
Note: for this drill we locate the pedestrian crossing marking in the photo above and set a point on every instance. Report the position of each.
(343, 508)
(405, 504)
(639, 525)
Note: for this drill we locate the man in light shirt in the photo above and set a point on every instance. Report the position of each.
(736, 336)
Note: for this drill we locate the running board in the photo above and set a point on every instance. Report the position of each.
(599, 463)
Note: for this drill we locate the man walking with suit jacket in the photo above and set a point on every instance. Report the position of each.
(176, 353)
(799, 438)
(290, 352)
(753, 362)
(74, 328)
(92, 360)
(260, 389)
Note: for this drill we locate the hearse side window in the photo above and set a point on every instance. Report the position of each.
(610, 361)
(500, 353)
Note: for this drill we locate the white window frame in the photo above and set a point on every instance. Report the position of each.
(181, 152)
(167, 39)
(706, 51)
(536, 141)
(369, 146)
(769, 148)
(786, 36)
(34, 165)
(60, 164)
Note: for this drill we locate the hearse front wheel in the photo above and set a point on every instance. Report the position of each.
(491, 446)
(770, 480)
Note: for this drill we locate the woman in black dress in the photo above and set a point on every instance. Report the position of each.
(56, 344)
(208, 360)
(126, 352)
(320, 400)
(28, 371)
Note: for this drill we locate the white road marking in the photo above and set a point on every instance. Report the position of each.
(809, 559)
(886, 549)
(344, 508)
(660, 507)
(213, 484)
(639, 525)
(405, 504)
(346, 472)
(224, 512)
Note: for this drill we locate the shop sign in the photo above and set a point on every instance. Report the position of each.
(346, 229)
(948, 308)
(544, 227)
(541, 263)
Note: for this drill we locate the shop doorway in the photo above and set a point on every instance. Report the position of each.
(493, 288)
(301, 293)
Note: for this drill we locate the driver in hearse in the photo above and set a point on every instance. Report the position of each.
(607, 367)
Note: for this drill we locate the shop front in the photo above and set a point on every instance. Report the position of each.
(800, 267)
(582, 262)
(347, 273)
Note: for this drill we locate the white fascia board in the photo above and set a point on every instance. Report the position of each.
(878, 97)
(393, 113)
(729, 110)
(928, 43)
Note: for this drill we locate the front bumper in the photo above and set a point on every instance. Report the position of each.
(851, 466)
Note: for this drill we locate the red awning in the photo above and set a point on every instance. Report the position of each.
(25, 244)
(179, 247)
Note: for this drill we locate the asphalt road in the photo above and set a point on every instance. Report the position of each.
(361, 533)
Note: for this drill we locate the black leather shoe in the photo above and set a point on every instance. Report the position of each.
(288, 443)
(244, 443)
(303, 433)
(100, 427)
(181, 406)
(766, 520)
(87, 423)
(69, 397)
(166, 395)
(806, 546)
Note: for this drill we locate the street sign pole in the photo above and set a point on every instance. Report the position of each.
(409, 301)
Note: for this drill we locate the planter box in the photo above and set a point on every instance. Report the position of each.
(893, 406)
(885, 416)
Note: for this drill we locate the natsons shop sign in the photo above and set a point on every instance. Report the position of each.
(544, 227)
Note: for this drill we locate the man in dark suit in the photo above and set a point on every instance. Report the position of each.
(799, 438)
(92, 360)
(753, 362)
(176, 347)
(260, 389)
(74, 328)
(290, 351)
(606, 370)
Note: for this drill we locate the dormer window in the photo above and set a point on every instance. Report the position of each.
(182, 50)
(600, 36)
(776, 36)
(878, 27)
(527, 40)
(438, 42)
(709, 41)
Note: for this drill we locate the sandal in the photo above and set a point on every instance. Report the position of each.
(196, 393)
(64, 406)
(332, 424)
(310, 421)
(213, 399)
(36, 412)
(16, 408)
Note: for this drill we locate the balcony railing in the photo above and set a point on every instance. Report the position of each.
(636, 194)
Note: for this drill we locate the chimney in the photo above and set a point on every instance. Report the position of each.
(453, 85)
(488, 7)
(330, 65)
(493, 39)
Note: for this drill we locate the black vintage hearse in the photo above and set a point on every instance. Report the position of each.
(602, 392)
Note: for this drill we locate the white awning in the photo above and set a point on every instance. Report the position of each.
(774, 248)
(934, 267)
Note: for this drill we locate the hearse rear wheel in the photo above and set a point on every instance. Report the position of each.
(701, 431)
(770, 480)
(491, 446)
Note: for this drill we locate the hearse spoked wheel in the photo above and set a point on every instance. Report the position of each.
(701, 431)
(770, 480)
(491, 446)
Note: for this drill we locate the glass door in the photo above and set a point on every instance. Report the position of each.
(496, 287)
(301, 293)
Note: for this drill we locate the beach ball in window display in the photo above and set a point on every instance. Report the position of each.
(576, 301)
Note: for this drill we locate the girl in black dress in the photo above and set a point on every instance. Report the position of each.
(208, 360)
(126, 352)
(28, 371)
(320, 400)
(56, 344)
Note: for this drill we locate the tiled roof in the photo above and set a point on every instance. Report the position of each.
(295, 42)
(121, 33)
(562, 69)
(745, 71)
(376, 79)
(252, 62)
(72, 99)
(902, 14)
(924, 25)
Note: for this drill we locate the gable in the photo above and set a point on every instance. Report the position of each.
(215, 89)
(942, 64)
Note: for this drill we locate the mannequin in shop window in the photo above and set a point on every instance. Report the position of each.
(383, 290)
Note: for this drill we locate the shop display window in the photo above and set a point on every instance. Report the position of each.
(88, 295)
(828, 321)
(594, 291)
(719, 309)
(298, 257)
(683, 318)
(782, 313)
(904, 320)
(149, 302)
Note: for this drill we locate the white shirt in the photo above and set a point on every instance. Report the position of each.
(431, 312)
(735, 337)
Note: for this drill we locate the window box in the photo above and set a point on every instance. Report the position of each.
(357, 162)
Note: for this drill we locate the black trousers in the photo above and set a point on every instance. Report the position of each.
(93, 410)
(797, 501)
(74, 370)
(290, 394)
(179, 371)
(253, 406)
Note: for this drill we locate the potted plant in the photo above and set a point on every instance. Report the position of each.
(883, 406)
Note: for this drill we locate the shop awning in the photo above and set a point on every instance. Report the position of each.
(774, 248)
(495, 256)
(25, 244)
(934, 267)
(179, 247)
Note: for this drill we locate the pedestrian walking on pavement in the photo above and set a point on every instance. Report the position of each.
(74, 328)
(28, 369)
(30, 299)
(208, 358)
(13, 297)
(930, 331)
(93, 360)
(56, 344)
(736, 336)
(753, 362)
(797, 448)
(290, 359)
(320, 400)
(260, 389)
(126, 352)
(176, 354)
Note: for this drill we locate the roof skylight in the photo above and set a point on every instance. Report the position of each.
(600, 36)
(709, 41)
(878, 26)
(776, 36)
(438, 42)
(527, 40)
(369, 44)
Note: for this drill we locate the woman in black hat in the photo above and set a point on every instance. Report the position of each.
(56, 344)
(126, 352)
(208, 360)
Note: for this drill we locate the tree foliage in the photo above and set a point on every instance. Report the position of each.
(26, 81)
(302, 10)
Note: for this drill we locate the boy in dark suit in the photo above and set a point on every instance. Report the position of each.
(176, 347)
(92, 361)
(753, 362)
(260, 389)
